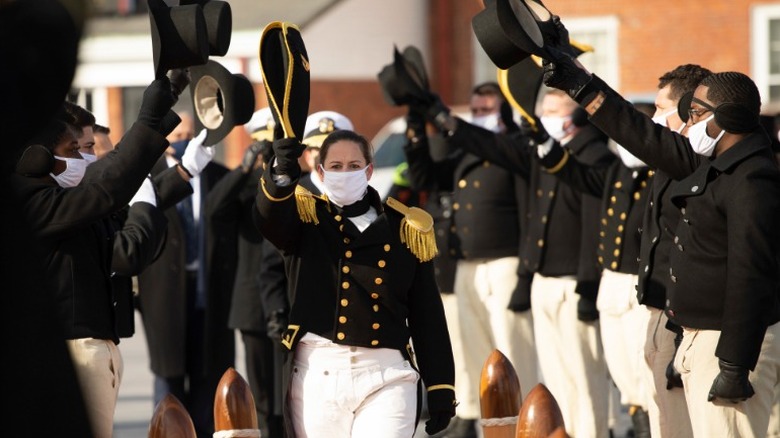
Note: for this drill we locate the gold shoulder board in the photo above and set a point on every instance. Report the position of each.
(416, 230)
(306, 202)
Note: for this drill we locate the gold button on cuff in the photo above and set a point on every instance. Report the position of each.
(348, 254)
(341, 336)
(337, 217)
(344, 302)
(343, 319)
(375, 326)
(387, 247)
(381, 263)
(345, 285)
(374, 342)
(377, 281)
(375, 295)
(345, 269)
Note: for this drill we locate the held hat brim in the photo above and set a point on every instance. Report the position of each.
(508, 32)
(405, 79)
(179, 36)
(221, 100)
(219, 24)
(284, 64)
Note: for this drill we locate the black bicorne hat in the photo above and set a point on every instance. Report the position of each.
(179, 36)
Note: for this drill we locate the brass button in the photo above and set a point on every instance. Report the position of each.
(618, 240)
(344, 302)
(613, 199)
(650, 173)
(469, 206)
(465, 230)
(486, 164)
(345, 269)
(374, 295)
(377, 281)
(381, 263)
(375, 307)
(550, 194)
(456, 206)
(539, 193)
(614, 265)
(476, 184)
(341, 227)
(343, 319)
(601, 246)
(341, 336)
(637, 196)
(602, 234)
(610, 212)
(375, 326)
(603, 222)
(544, 219)
(620, 228)
(462, 183)
(623, 216)
(540, 243)
(643, 184)
(337, 217)
(453, 229)
(601, 260)
(345, 285)
(374, 342)
(618, 185)
(346, 240)
(348, 254)
(616, 253)
(387, 247)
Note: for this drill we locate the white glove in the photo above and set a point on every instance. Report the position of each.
(145, 193)
(196, 156)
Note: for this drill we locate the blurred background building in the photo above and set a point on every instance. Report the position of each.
(349, 41)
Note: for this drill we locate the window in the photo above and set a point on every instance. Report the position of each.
(765, 34)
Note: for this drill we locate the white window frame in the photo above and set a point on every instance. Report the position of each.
(759, 42)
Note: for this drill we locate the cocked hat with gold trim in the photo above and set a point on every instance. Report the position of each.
(221, 100)
(320, 124)
(179, 36)
(284, 64)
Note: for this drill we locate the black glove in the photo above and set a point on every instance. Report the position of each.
(535, 131)
(673, 377)
(437, 422)
(276, 324)
(441, 408)
(250, 156)
(156, 103)
(556, 36)
(731, 384)
(565, 73)
(180, 78)
(586, 309)
(430, 105)
(287, 152)
(508, 117)
(415, 124)
(520, 301)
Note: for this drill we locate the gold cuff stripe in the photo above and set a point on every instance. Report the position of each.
(436, 387)
(561, 163)
(268, 195)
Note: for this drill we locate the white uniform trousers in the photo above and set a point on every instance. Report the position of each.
(570, 357)
(698, 366)
(483, 289)
(623, 322)
(774, 417)
(99, 368)
(337, 391)
(468, 400)
(667, 410)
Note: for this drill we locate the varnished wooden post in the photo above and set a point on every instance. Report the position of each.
(234, 408)
(499, 397)
(171, 420)
(540, 416)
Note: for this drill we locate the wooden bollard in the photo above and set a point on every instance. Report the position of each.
(171, 420)
(499, 397)
(540, 416)
(234, 408)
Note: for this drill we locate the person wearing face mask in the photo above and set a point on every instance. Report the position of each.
(366, 319)
(483, 209)
(68, 206)
(724, 263)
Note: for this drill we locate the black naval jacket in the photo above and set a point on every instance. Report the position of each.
(359, 289)
(562, 224)
(724, 264)
(75, 237)
(623, 191)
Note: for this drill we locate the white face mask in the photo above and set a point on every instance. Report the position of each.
(89, 158)
(554, 126)
(73, 173)
(661, 120)
(345, 188)
(489, 122)
(702, 143)
(629, 159)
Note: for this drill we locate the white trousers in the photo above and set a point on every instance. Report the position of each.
(99, 368)
(483, 289)
(468, 400)
(698, 366)
(570, 357)
(339, 391)
(623, 322)
(667, 410)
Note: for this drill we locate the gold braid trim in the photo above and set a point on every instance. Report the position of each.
(435, 387)
(268, 195)
(561, 163)
(416, 230)
(307, 205)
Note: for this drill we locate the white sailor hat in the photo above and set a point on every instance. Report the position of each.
(261, 125)
(322, 123)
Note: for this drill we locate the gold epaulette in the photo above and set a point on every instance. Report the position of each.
(306, 202)
(416, 230)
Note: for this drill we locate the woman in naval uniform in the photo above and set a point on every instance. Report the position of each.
(362, 292)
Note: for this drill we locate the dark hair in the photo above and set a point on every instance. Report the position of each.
(733, 87)
(488, 89)
(345, 134)
(100, 129)
(51, 134)
(683, 79)
(76, 115)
